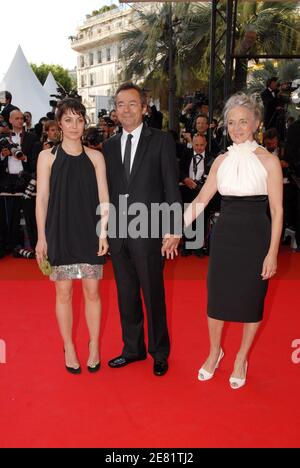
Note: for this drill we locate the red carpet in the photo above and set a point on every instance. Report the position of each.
(42, 406)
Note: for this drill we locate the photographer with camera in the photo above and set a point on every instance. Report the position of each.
(194, 165)
(17, 175)
(28, 127)
(292, 156)
(50, 137)
(193, 106)
(201, 128)
(270, 102)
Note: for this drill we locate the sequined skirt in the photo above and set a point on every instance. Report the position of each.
(77, 271)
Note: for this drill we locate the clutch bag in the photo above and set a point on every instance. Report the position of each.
(46, 267)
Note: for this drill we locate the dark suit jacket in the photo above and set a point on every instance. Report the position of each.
(185, 163)
(270, 103)
(7, 110)
(153, 179)
(292, 147)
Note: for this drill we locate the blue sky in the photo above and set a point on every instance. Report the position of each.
(42, 29)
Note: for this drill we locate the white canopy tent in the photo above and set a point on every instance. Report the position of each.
(50, 85)
(27, 92)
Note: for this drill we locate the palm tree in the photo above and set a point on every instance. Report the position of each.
(265, 28)
(146, 49)
(261, 28)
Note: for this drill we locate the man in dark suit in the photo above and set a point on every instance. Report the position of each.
(8, 107)
(195, 164)
(141, 168)
(270, 102)
(292, 157)
(15, 174)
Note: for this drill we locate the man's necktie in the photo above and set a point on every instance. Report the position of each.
(127, 156)
(197, 158)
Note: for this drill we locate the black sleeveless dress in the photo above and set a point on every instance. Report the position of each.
(240, 240)
(71, 218)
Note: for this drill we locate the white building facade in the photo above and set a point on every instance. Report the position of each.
(99, 60)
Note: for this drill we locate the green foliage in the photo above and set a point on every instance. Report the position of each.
(60, 74)
(146, 48)
(104, 9)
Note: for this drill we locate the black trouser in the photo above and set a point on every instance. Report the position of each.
(3, 226)
(135, 272)
(289, 205)
(297, 224)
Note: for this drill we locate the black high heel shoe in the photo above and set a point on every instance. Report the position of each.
(72, 370)
(96, 367)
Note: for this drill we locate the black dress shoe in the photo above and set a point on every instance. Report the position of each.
(74, 371)
(199, 253)
(160, 368)
(94, 369)
(122, 361)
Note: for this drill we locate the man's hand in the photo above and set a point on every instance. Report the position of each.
(190, 183)
(170, 246)
(187, 137)
(188, 107)
(5, 153)
(284, 164)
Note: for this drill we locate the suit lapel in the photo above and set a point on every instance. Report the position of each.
(140, 152)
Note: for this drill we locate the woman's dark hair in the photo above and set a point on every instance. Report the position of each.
(70, 104)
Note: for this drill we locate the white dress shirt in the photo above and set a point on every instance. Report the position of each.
(134, 143)
(200, 167)
(14, 165)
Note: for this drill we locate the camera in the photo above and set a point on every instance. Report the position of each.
(102, 113)
(15, 150)
(3, 123)
(30, 190)
(62, 94)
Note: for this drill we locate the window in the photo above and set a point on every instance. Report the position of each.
(119, 52)
(99, 56)
(108, 55)
(81, 61)
(82, 81)
(91, 59)
(92, 79)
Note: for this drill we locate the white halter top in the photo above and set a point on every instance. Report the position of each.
(241, 173)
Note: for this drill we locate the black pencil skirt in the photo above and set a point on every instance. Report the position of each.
(240, 243)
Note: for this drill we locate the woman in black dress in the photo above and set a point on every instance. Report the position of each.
(245, 243)
(71, 183)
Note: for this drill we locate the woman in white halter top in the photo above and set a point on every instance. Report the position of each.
(245, 242)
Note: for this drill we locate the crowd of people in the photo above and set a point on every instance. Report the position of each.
(198, 144)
